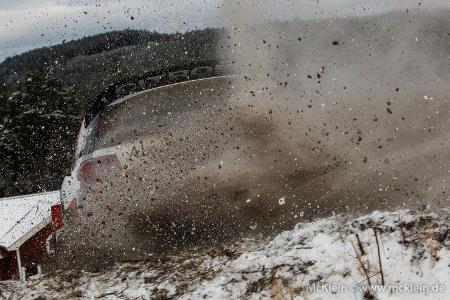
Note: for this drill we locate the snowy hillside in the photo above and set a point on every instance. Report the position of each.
(333, 258)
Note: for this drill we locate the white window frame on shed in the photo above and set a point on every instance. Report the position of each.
(50, 249)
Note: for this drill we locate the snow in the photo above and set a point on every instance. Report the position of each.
(316, 260)
(22, 215)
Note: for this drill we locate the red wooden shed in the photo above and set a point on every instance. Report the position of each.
(28, 226)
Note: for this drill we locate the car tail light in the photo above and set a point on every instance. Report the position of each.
(99, 168)
(73, 209)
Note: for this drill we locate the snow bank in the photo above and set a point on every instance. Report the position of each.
(333, 258)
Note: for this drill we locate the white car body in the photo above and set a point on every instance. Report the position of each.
(74, 192)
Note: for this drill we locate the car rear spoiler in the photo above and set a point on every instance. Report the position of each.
(154, 79)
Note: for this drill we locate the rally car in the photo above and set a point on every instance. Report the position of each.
(116, 133)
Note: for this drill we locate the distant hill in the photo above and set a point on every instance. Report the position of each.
(97, 60)
(60, 54)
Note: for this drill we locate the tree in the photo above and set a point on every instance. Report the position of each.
(37, 139)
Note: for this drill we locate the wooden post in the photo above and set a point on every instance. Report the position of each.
(19, 265)
(379, 256)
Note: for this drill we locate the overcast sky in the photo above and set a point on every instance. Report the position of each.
(27, 24)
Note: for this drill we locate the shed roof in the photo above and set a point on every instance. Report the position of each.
(23, 216)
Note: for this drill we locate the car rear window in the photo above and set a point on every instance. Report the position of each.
(88, 142)
(148, 112)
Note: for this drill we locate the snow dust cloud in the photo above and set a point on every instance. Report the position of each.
(348, 114)
(331, 115)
